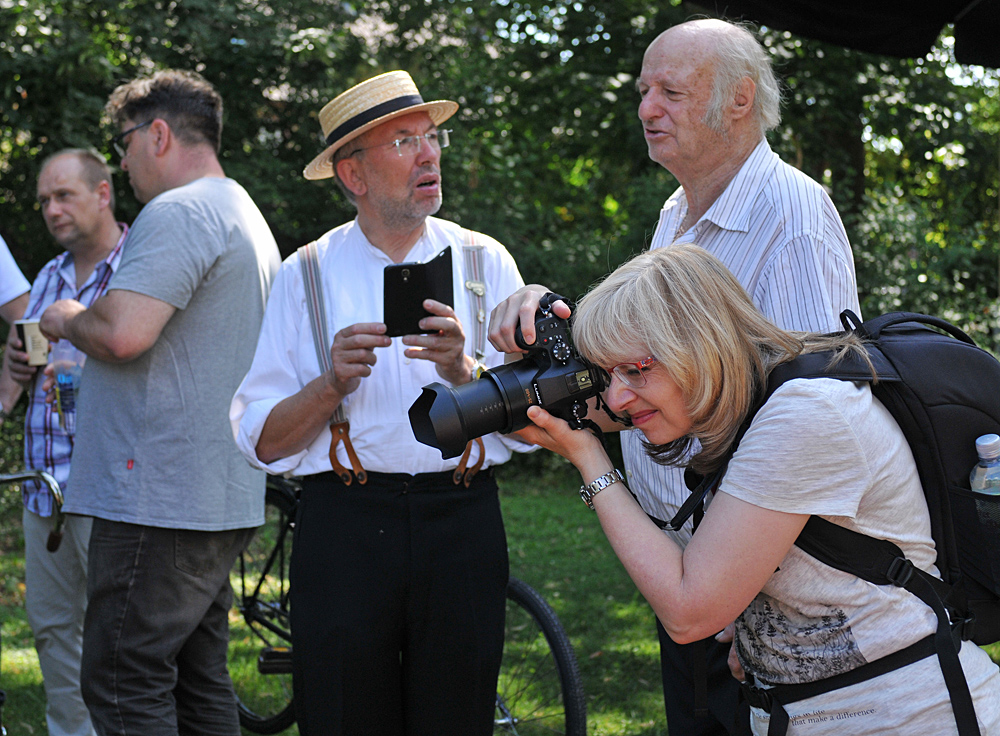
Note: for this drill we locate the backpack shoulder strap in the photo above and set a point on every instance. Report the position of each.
(881, 562)
(810, 365)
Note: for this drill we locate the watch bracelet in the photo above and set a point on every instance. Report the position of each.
(589, 490)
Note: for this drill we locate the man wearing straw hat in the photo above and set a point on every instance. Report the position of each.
(399, 564)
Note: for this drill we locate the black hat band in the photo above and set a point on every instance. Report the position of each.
(373, 113)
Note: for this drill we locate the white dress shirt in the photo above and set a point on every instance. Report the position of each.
(286, 361)
(779, 233)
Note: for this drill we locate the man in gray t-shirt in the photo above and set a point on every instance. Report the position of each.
(155, 463)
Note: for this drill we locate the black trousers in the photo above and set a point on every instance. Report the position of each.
(678, 669)
(398, 592)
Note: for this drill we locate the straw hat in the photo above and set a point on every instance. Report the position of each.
(367, 105)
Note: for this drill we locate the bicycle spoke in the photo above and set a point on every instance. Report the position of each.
(531, 697)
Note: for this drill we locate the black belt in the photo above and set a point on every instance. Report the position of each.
(403, 481)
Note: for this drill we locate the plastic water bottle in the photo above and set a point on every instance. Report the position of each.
(68, 364)
(985, 476)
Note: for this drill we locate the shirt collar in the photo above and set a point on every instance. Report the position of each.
(67, 271)
(733, 208)
(423, 250)
(115, 256)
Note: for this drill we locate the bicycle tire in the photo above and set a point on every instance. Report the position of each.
(539, 691)
(259, 630)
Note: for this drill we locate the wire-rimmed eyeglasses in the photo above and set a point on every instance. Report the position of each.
(411, 144)
(116, 142)
(633, 375)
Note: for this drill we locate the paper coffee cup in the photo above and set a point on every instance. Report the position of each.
(33, 341)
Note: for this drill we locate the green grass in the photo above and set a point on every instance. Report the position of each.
(556, 545)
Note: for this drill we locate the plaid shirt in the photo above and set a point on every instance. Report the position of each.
(46, 445)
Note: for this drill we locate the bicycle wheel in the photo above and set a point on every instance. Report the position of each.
(539, 691)
(260, 653)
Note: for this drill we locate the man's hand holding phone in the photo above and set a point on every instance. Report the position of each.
(443, 343)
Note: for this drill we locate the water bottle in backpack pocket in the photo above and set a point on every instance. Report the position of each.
(976, 519)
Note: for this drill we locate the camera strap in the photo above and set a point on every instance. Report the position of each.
(340, 426)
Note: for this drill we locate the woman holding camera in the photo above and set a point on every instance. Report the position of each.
(687, 352)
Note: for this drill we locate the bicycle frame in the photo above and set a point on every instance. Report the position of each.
(259, 611)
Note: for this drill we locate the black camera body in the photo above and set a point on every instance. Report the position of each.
(551, 375)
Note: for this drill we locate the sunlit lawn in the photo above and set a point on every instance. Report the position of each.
(556, 545)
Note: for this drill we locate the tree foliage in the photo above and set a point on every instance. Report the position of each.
(548, 155)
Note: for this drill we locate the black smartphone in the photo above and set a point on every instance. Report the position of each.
(406, 285)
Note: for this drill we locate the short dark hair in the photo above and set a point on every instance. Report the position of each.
(95, 169)
(186, 100)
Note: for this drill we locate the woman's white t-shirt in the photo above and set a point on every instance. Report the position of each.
(829, 448)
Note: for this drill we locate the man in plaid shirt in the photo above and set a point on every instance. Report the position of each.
(76, 198)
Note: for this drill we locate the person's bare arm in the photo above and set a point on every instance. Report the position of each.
(296, 421)
(696, 592)
(10, 389)
(14, 309)
(119, 327)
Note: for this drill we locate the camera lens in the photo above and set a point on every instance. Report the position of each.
(446, 417)
(551, 375)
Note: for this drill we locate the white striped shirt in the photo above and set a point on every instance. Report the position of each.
(779, 233)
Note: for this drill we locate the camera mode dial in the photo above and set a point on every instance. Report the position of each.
(561, 351)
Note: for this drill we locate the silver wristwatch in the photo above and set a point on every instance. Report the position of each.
(588, 492)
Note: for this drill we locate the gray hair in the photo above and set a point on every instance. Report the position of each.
(339, 155)
(739, 54)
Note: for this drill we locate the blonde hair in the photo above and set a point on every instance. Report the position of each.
(682, 305)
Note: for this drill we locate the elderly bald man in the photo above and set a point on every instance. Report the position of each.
(708, 97)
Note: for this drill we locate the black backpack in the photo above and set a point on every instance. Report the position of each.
(944, 392)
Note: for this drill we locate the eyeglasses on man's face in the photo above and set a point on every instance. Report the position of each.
(633, 375)
(118, 140)
(411, 144)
